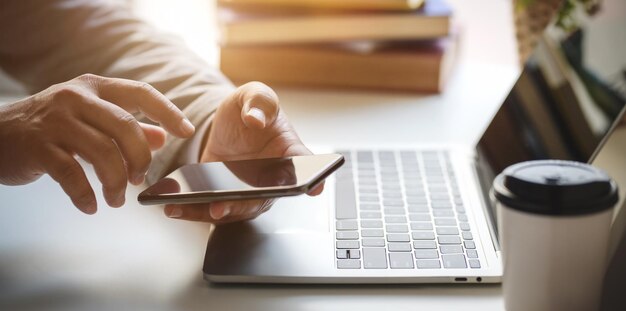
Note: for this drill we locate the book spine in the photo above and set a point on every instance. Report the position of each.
(327, 68)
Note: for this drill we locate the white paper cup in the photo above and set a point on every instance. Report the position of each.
(554, 222)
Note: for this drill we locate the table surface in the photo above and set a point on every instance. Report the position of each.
(55, 258)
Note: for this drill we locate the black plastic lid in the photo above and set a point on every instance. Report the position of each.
(554, 187)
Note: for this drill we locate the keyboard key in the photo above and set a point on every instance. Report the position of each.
(447, 231)
(371, 215)
(419, 217)
(365, 156)
(472, 253)
(369, 199)
(395, 219)
(425, 245)
(428, 264)
(426, 254)
(469, 244)
(371, 224)
(342, 254)
(462, 217)
(393, 195)
(354, 254)
(408, 154)
(397, 228)
(418, 208)
(348, 264)
(399, 247)
(464, 226)
(374, 258)
(347, 244)
(438, 196)
(391, 186)
(451, 249)
(367, 182)
(423, 235)
(467, 235)
(387, 178)
(454, 261)
(347, 235)
(416, 191)
(345, 203)
(449, 239)
(373, 242)
(393, 202)
(443, 213)
(347, 225)
(441, 204)
(395, 211)
(372, 233)
(369, 207)
(445, 222)
(474, 263)
(437, 187)
(401, 261)
(398, 237)
(421, 226)
(416, 200)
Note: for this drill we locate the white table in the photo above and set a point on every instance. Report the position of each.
(53, 257)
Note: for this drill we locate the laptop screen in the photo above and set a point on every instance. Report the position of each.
(568, 97)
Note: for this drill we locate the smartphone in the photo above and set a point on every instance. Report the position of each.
(242, 180)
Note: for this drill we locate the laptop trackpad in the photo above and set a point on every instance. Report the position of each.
(300, 214)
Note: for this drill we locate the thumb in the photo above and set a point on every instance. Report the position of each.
(259, 105)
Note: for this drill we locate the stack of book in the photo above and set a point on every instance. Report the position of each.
(382, 44)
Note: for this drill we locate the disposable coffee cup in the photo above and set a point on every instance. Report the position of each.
(553, 219)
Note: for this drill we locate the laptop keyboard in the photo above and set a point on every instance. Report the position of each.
(401, 210)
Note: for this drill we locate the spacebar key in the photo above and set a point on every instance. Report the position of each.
(345, 203)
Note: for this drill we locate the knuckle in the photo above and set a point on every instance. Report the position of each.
(67, 93)
(146, 87)
(129, 121)
(107, 149)
(89, 78)
(155, 94)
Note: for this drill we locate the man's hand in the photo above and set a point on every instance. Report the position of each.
(90, 117)
(248, 124)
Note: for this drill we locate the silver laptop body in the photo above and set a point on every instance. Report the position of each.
(422, 214)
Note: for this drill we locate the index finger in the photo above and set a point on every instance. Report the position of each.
(136, 96)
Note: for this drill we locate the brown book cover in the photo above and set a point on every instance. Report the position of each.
(420, 66)
(432, 20)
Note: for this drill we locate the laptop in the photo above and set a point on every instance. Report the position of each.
(424, 214)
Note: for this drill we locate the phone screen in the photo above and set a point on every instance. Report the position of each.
(235, 179)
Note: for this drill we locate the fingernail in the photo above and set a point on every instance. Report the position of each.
(226, 211)
(175, 212)
(90, 207)
(186, 127)
(138, 179)
(119, 201)
(257, 114)
(215, 214)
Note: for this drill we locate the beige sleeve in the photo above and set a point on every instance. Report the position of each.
(48, 42)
